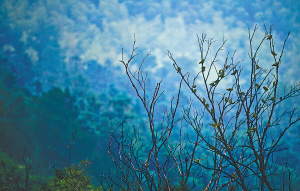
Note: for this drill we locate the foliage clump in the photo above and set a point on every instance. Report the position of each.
(71, 178)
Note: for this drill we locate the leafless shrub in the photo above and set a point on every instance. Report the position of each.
(240, 150)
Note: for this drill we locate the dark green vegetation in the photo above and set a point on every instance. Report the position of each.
(44, 126)
(44, 99)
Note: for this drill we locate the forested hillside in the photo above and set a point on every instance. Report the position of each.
(45, 97)
(65, 98)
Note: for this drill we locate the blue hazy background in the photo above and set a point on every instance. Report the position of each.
(60, 69)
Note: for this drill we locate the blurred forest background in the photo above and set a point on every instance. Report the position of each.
(51, 85)
(45, 96)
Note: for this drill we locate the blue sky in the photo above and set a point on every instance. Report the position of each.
(100, 32)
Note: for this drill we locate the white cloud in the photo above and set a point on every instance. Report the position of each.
(176, 33)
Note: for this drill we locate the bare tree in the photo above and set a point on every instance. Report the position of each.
(12, 179)
(245, 128)
(73, 177)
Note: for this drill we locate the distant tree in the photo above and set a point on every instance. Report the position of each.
(16, 110)
(237, 131)
(56, 119)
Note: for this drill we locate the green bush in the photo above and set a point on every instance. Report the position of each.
(71, 178)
